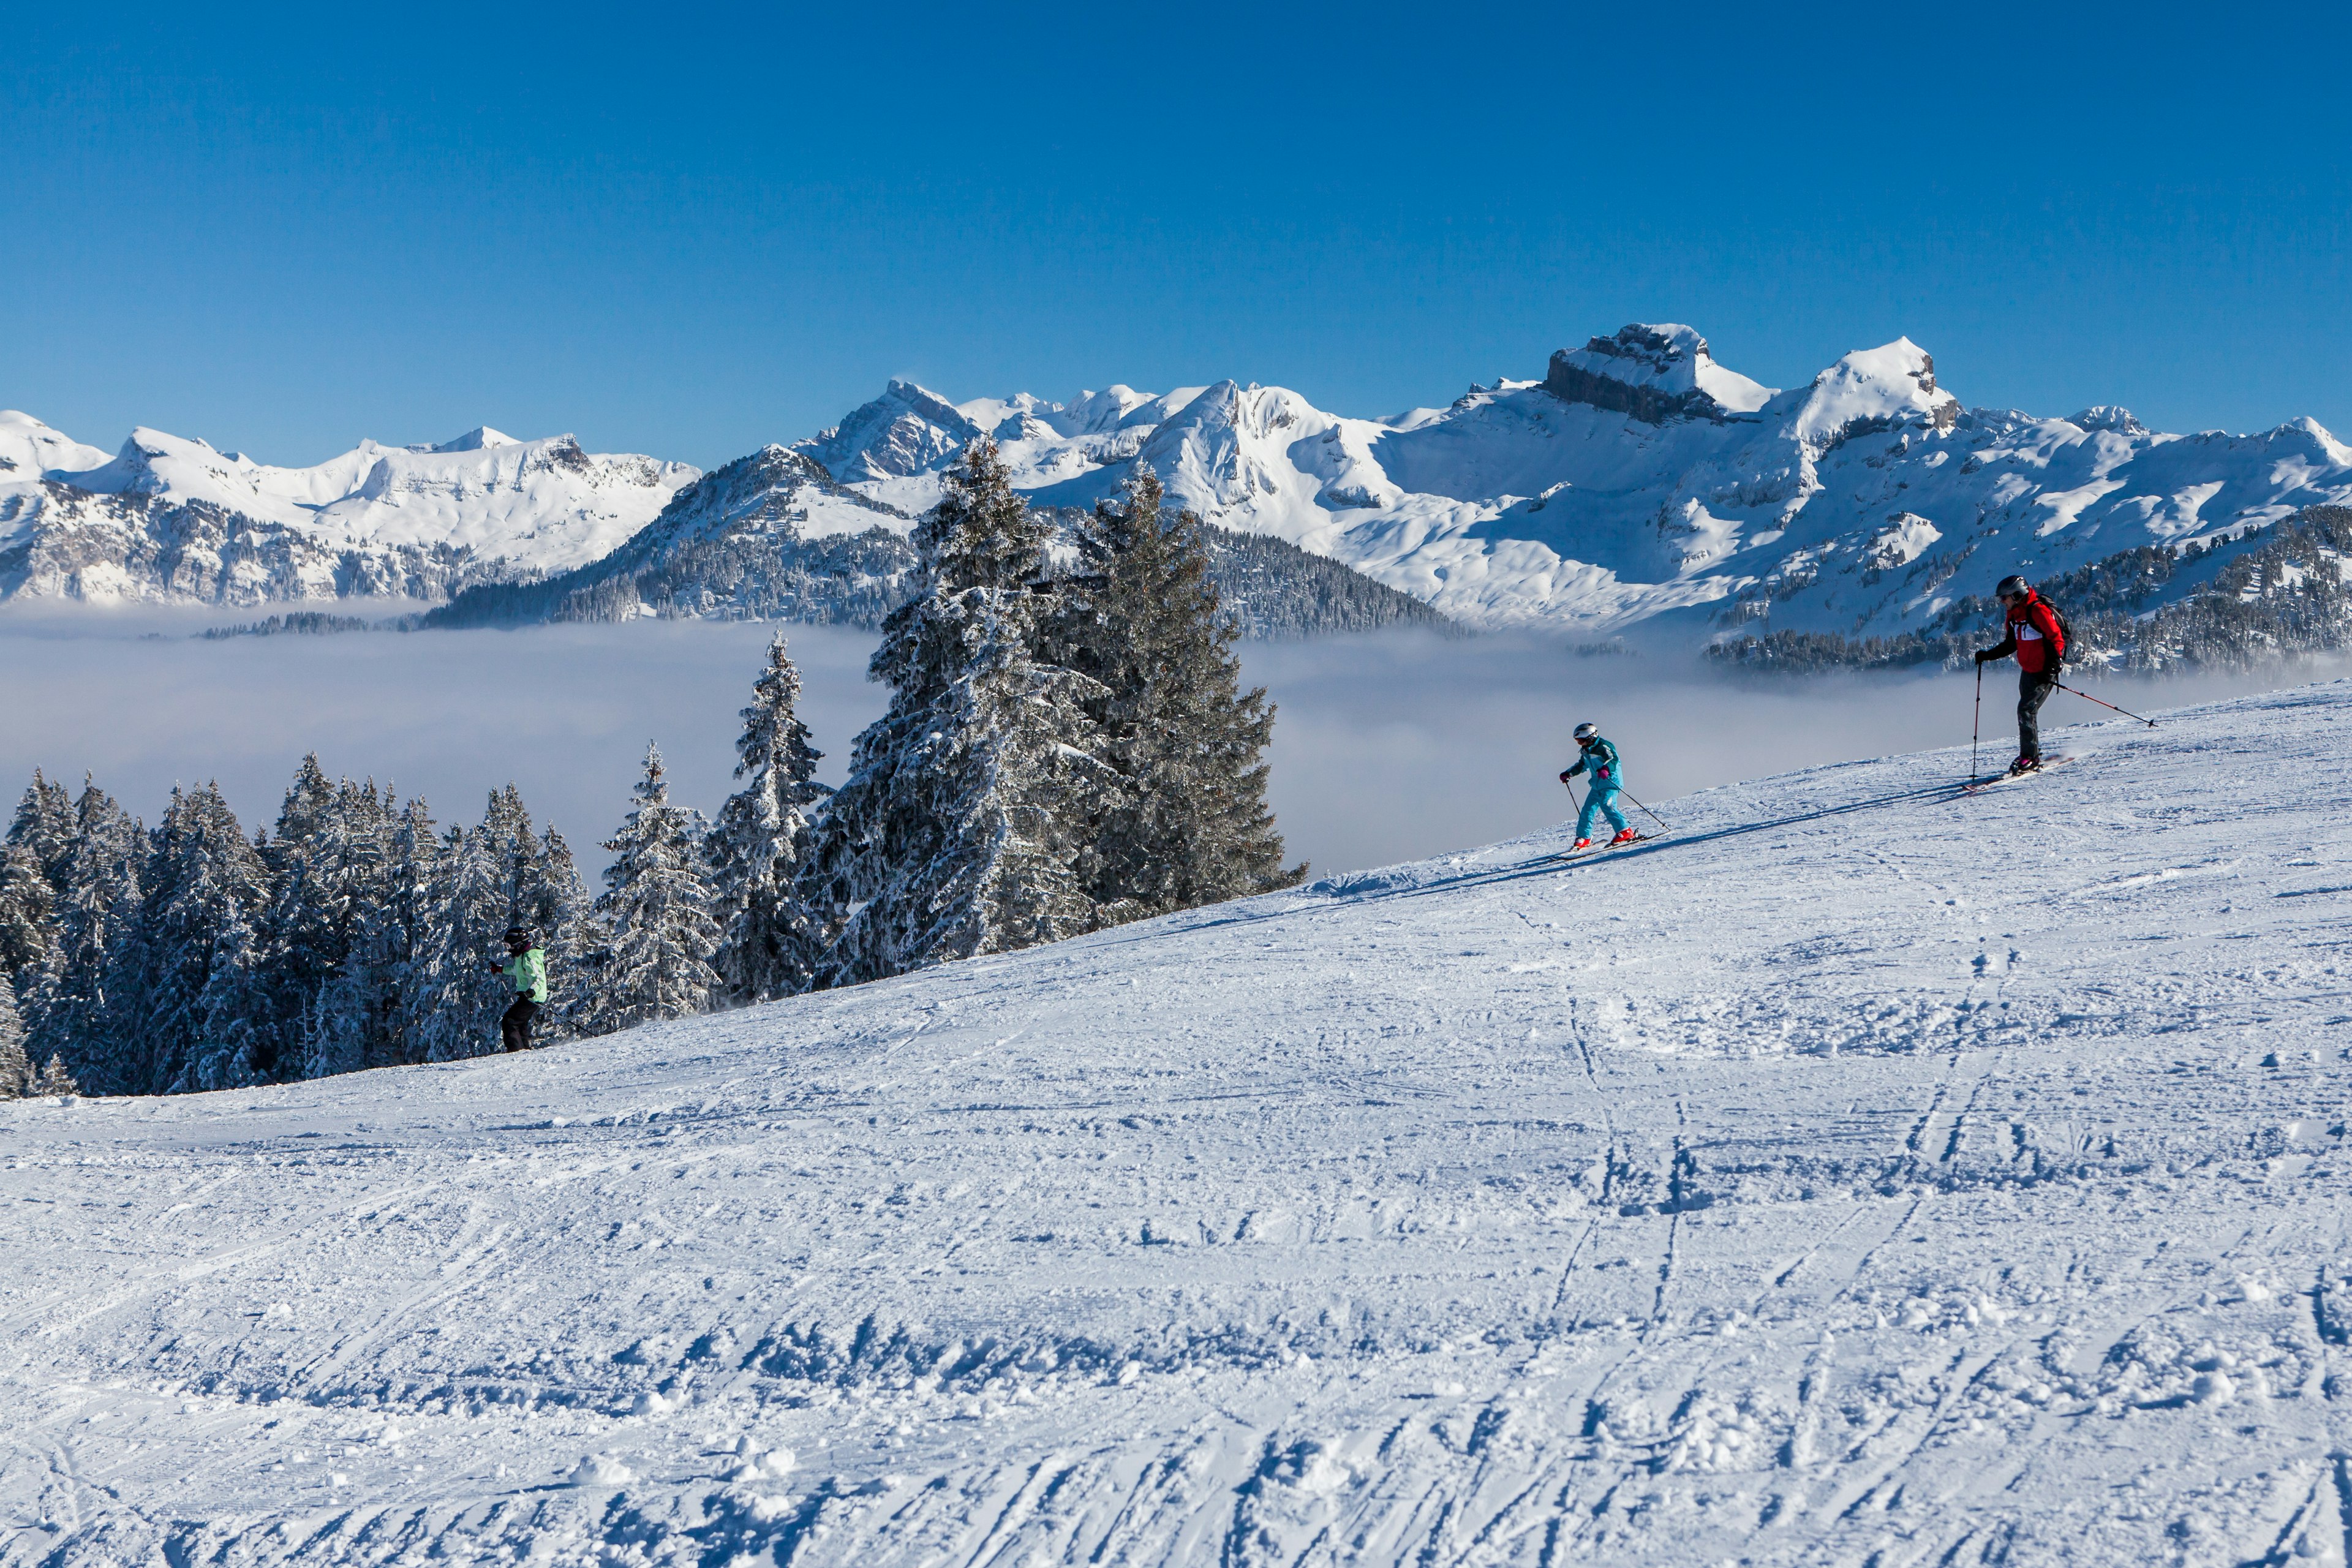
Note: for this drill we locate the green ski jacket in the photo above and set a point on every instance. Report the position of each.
(529, 973)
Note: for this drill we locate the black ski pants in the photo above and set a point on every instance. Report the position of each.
(514, 1026)
(2034, 689)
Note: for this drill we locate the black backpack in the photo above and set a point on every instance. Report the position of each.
(2065, 635)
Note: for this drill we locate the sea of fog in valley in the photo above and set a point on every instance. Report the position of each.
(1387, 746)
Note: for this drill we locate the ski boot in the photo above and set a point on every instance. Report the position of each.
(1625, 836)
(1580, 844)
(2025, 765)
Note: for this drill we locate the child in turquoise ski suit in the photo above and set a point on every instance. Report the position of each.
(1599, 758)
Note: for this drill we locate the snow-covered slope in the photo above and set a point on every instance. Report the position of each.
(169, 518)
(1862, 1175)
(1641, 477)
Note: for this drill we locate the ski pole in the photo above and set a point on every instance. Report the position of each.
(1977, 729)
(2088, 698)
(1653, 816)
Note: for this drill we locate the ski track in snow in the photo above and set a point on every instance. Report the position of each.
(1861, 1174)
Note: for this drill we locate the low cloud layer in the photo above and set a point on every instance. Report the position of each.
(1387, 747)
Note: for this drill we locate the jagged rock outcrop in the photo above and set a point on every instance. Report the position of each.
(1652, 375)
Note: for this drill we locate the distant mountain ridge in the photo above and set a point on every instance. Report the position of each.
(773, 536)
(171, 520)
(1639, 480)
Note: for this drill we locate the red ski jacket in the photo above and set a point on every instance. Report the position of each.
(2034, 635)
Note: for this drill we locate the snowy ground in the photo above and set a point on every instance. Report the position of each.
(1861, 1175)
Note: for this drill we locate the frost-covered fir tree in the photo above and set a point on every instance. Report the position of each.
(185, 969)
(371, 1015)
(656, 913)
(497, 874)
(27, 914)
(32, 863)
(98, 896)
(44, 827)
(966, 801)
(16, 1070)
(323, 896)
(326, 922)
(755, 847)
(1185, 820)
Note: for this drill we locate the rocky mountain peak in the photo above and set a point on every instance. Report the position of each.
(1653, 372)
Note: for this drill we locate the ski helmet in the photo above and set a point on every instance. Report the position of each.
(1586, 732)
(518, 933)
(2012, 587)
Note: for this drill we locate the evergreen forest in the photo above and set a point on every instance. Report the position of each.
(1067, 748)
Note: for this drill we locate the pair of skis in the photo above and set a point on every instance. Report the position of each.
(1982, 783)
(1601, 848)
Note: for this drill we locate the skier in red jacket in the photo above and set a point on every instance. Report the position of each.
(2040, 643)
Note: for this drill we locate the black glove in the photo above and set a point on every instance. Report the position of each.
(1985, 656)
(1565, 776)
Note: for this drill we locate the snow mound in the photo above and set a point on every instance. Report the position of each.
(1797, 1188)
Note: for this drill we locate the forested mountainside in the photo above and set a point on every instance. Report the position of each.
(773, 536)
(2232, 603)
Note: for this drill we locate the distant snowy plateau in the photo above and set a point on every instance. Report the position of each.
(1862, 1175)
(1638, 479)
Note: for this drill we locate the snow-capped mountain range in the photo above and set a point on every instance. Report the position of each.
(1637, 478)
(172, 519)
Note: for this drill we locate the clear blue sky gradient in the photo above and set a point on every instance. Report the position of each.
(688, 231)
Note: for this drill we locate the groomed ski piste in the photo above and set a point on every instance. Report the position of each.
(1861, 1174)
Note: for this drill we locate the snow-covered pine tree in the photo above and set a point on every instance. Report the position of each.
(956, 831)
(557, 910)
(656, 910)
(233, 1043)
(186, 964)
(16, 1070)
(333, 887)
(44, 827)
(99, 897)
(458, 998)
(303, 933)
(309, 804)
(54, 1080)
(755, 847)
(32, 862)
(29, 919)
(386, 982)
(1186, 822)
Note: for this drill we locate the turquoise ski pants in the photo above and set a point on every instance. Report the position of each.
(1599, 803)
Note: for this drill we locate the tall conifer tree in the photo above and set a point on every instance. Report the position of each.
(956, 831)
(655, 911)
(185, 970)
(16, 1069)
(44, 827)
(755, 849)
(500, 874)
(99, 898)
(27, 914)
(1185, 822)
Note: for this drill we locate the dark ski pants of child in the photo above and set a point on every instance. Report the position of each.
(1603, 803)
(2034, 689)
(514, 1024)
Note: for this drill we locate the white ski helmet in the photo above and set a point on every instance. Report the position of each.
(1586, 732)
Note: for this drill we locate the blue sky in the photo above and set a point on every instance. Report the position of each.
(687, 231)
